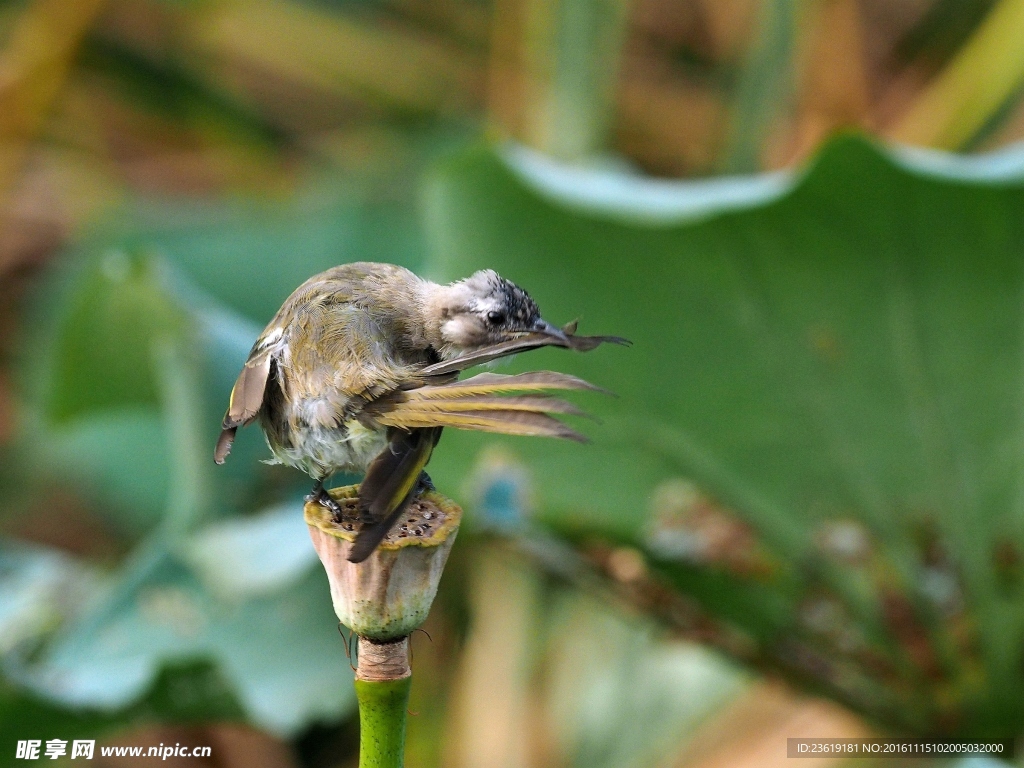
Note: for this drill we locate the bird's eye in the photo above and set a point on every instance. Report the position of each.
(495, 318)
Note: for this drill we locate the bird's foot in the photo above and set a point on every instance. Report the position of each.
(320, 495)
(424, 484)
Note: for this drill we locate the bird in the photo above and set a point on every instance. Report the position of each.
(359, 372)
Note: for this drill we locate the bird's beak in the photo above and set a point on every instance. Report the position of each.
(543, 326)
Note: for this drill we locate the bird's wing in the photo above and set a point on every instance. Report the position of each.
(247, 394)
(389, 485)
(487, 402)
(521, 344)
(320, 344)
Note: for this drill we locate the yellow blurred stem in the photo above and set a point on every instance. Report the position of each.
(335, 54)
(33, 67)
(492, 718)
(973, 86)
(554, 70)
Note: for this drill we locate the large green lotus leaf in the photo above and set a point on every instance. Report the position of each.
(818, 430)
(101, 350)
(279, 652)
(95, 335)
(250, 255)
(119, 455)
(99, 411)
(253, 259)
(254, 555)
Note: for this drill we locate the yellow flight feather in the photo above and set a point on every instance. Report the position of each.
(501, 422)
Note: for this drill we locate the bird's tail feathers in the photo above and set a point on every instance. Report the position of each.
(372, 534)
(389, 486)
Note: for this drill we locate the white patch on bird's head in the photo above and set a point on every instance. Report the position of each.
(462, 332)
(483, 282)
(484, 308)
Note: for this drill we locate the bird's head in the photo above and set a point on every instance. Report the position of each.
(485, 308)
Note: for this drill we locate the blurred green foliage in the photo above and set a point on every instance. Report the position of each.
(819, 362)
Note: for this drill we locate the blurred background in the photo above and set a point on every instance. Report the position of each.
(802, 516)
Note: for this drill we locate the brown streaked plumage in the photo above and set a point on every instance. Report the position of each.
(358, 372)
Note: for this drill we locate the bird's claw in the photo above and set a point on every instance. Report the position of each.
(424, 484)
(324, 499)
(335, 508)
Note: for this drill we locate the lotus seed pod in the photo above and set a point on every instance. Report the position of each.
(388, 595)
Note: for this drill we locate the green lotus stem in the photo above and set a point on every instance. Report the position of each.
(382, 710)
(383, 680)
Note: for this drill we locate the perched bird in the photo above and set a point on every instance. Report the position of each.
(358, 372)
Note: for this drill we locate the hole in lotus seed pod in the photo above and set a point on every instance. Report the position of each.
(349, 514)
(413, 525)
